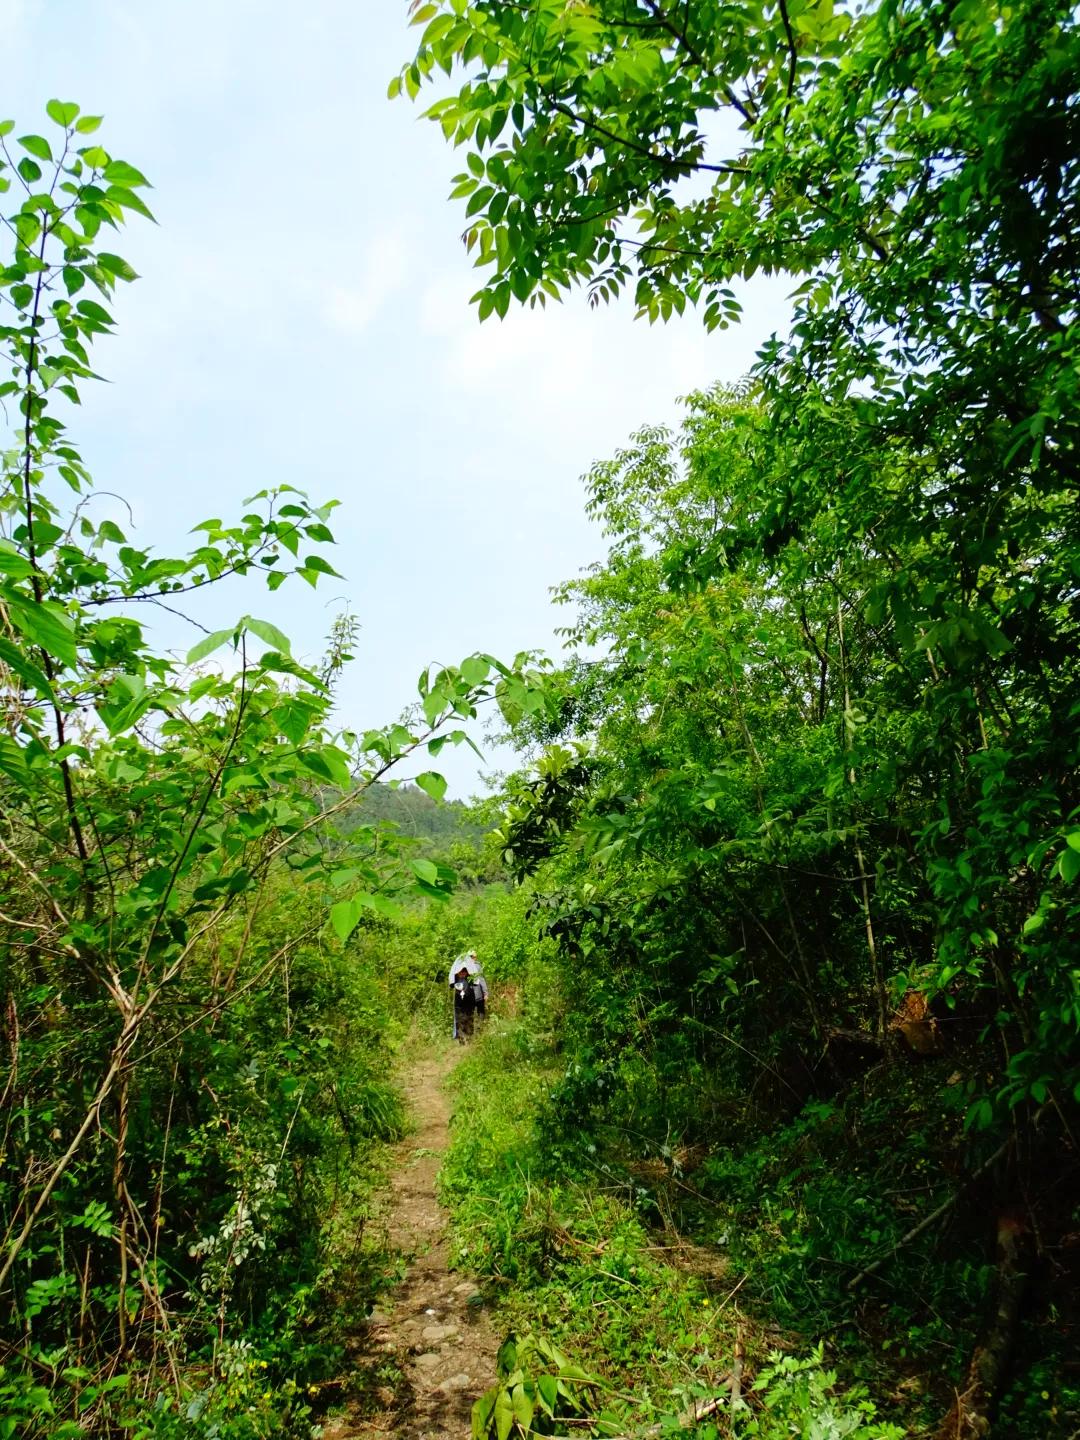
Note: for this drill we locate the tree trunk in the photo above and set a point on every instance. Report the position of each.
(971, 1414)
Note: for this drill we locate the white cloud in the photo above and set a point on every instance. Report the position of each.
(567, 385)
(12, 15)
(350, 309)
(569, 355)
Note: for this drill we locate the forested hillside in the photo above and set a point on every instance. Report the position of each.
(772, 1127)
(414, 812)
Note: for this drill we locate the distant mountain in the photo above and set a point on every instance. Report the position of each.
(415, 813)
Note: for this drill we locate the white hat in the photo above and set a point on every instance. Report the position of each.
(467, 961)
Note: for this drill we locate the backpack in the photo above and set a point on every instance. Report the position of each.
(467, 994)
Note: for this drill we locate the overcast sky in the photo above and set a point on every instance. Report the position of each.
(303, 318)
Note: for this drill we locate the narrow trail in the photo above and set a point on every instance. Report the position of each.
(435, 1349)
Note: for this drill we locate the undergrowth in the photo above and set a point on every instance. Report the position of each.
(278, 1142)
(653, 1262)
(575, 1250)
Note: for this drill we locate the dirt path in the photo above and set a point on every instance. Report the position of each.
(434, 1351)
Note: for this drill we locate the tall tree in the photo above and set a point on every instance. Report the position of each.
(914, 166)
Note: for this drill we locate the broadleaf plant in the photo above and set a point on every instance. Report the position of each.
(147, 807)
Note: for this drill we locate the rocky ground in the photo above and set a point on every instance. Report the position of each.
(433, 1350)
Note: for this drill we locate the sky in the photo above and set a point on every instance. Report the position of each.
(302, 318)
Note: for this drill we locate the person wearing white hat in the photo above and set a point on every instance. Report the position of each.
(470, 992)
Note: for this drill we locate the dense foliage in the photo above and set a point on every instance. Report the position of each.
(792, 803)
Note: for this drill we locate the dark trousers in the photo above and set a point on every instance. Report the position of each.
(465, 1019)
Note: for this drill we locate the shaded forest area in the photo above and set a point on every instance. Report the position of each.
(774, 1130)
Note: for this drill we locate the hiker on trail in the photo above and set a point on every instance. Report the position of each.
(470, 991)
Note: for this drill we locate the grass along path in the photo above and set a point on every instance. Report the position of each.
(436, 1350)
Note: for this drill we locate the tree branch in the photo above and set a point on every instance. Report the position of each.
(792, 52)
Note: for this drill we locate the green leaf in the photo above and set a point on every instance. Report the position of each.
(547, 1390)
(344, 917)
(93, 311)
(63, 114)
(425, 870)
(116, 265)
(233, 883)
(37, 146)
(574, 1372)
(26, 670)
(481, 1413)
(610, 1422)
(1069, 865)
(510, 696)
(13, 562)
(475, 670)
(128, 200)
(46, 624)
(319, 566)
(208, 645)
(479, 199)
(506, 1358)
(13, 761)
(87, 124)
(119, 172)
(45, 534)
(504, 1415)
(434, 702)
(273, 637)
(313, 761)
(381, 904)
(432, 784)
(400, 739)
(292, 719)
(337, 765)
(130, 708)
(523, 1408)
